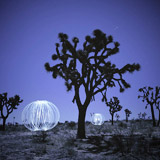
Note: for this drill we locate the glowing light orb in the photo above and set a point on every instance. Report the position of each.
(40, 116)
(97, 119)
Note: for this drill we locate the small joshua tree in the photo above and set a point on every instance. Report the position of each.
(144, 115)
(114, 106)
(152, 98)
(9, 104)
(117, 116)
(140, 116)
(128, 112)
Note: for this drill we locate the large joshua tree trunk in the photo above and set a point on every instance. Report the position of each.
(81, 123)
(153, 117)
(81, 134)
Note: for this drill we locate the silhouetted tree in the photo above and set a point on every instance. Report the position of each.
(158, 102)
(8, 104)
(117, 116)
(88, 68)
(152, 98)
(140, 116)
(144, 115)
(114, 106)
(127, 112)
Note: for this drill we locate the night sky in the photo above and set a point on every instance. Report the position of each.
(28, 33)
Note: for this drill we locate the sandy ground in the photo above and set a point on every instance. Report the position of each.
(124, 141)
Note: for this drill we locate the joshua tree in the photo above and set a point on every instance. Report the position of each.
(9, 105)
(117, 116)
(152, 98)
(128, 112)
(158, 102)
(144, 115)
(88, 68)
(114, 106)
(140, 116)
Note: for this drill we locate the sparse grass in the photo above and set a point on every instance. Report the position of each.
(122, 125)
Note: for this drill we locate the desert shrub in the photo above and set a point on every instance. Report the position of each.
(129, 143)
(59, 123)
(16, 128)
(70, 152)
(69, 142)
(39, 150)
(87, 123)
(132, 121)
(123, 144)
(117, 131)
(117, 143)
(150, 132)
(68, 145)
(71, 125)
(39, 137)
(90, 129)
(141, 145)
(66, 122)
(123, 125)
(62, 139)
(57, 128)
(131, 129)
(106, 129)
(103, 129)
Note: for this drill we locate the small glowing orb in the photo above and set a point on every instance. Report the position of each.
(97, 119)
(40, 116)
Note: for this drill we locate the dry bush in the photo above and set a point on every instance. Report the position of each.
(122, 125)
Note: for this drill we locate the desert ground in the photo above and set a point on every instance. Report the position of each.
(135, 140)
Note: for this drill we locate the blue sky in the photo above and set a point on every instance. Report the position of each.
(28, 33)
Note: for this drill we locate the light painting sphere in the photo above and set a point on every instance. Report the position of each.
(40, 116)
(97, 119)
